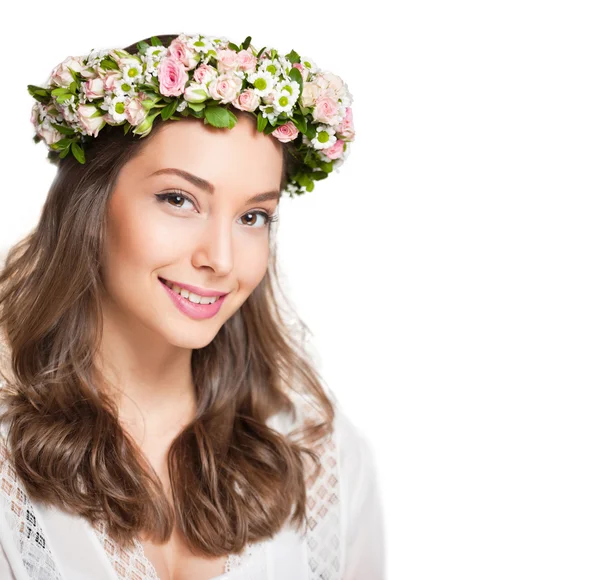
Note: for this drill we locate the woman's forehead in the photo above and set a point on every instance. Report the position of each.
(234, 158)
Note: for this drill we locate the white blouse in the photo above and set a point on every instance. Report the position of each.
(344, 539)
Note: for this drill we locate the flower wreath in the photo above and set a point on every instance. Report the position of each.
(199, 76)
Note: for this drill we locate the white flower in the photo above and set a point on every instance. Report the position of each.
(203, 44)
(325, 137)
(95, 57)
(269, 112)
(272, 66)
(67, 108)
(292, 88)
(132, 73)
(124, 87)
(154, 53)
(115, 106)
(152, 58)
(291, 188)
(181, 106)
(310, 64)
(263, 82)
(283, 101)
(284, 64)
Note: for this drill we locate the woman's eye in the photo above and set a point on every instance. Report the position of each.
(267, 219)
(179, 197)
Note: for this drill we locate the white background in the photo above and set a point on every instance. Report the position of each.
(449, 272)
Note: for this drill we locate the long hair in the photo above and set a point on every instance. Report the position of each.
(233, 478)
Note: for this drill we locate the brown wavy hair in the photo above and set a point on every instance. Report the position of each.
(234, 479)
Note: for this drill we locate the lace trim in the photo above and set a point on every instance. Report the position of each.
(132, 564)
(323, 509)
(19, 512)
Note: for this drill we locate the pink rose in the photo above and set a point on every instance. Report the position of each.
(346, 127)
(247, 101)
(326, 110)
(172, 77)
(109, 80)
(285, 133)
(226, 60)
(123, 58)
(35, 113)
(61, 75)
(94, 88)
(269, 99)
(205, 73)
(179, 50)
(134, 111)
(91, 124)
(225, 87)
(246, 60)
(336, 150)
(48, 133)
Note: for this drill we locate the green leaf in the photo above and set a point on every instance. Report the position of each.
(156, 41)
(296, 75)
(62, 98)
(142, 47)
(311, 131)
(219, 116)
(327, 166)
(246, 43)
(260, 51)
(300, 123)
(270, 128)
(109, 64)
(304, 180)
(43, 100)
(61, 144)
(234, 46)
(168, 111)
(41, 91)
(78, 152)
(196, 106)
(319, 175)
(150, 90)
(197, 114)
(293, 57)
(59, 91)
(73, 73)
(261, 123)
(64, 153)
(63, 130)
(73, 87)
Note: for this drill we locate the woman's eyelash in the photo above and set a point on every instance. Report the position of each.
(163, 197)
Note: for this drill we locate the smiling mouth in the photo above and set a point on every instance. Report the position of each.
(190, 296)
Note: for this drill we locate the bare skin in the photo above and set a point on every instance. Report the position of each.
(217, 241)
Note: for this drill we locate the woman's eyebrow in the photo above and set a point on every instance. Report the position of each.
(207, 186)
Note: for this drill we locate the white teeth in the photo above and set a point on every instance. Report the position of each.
(191, 296)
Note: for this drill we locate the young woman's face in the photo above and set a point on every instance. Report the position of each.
(217, 241)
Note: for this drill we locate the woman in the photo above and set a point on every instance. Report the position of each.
(160, 419)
